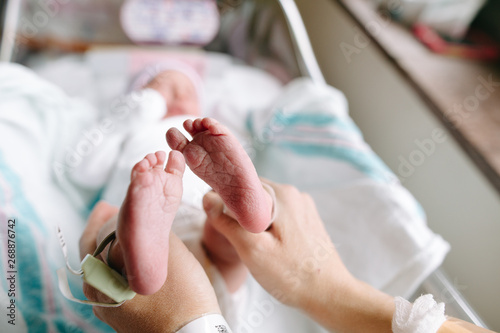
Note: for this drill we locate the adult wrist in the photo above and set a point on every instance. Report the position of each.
(352, 305)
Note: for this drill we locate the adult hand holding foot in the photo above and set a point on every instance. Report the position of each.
(296, 262)
(185, 296)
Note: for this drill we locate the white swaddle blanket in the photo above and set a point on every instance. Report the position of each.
(305, 138)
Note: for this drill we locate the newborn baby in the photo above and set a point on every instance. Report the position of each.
(155, 192)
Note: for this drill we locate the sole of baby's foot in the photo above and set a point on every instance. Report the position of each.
(146, 217)
(217, 157)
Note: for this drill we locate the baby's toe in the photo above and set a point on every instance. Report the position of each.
(198, 126)
(176, 140)
(175, 164)
(209, 122)
(140, 167)
(188, 126)
(215, 127)
(151, 158)
(160, 158)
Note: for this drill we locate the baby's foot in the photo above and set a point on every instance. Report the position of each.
(216, 156)
(146, 217)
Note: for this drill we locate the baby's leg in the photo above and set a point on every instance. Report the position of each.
(145, 219)
(217, 157)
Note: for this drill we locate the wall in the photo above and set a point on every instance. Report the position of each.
(460, 203)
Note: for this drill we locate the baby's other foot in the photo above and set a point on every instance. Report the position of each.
(146, 217)
(217, 157)
(220, 251)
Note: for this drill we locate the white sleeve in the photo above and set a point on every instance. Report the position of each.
(98, 148)
(424, 315)
(211, 323)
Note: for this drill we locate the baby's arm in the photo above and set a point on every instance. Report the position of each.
(100, 145)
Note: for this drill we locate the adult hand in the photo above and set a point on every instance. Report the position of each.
(296, 262)
(293, 255)
(186, 295)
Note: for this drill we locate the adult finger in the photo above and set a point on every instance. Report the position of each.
(242, 240)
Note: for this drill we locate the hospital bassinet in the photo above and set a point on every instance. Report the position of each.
(261, 24)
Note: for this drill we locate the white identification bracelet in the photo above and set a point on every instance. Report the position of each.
(212, 323)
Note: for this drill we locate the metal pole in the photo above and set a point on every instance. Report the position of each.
(10, 11)
(308, 64)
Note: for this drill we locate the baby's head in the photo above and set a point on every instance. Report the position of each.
(179, 92)
(178, 83)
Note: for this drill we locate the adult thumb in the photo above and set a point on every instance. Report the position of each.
(223, 223)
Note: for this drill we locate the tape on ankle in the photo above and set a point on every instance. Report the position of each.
(274, 209)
